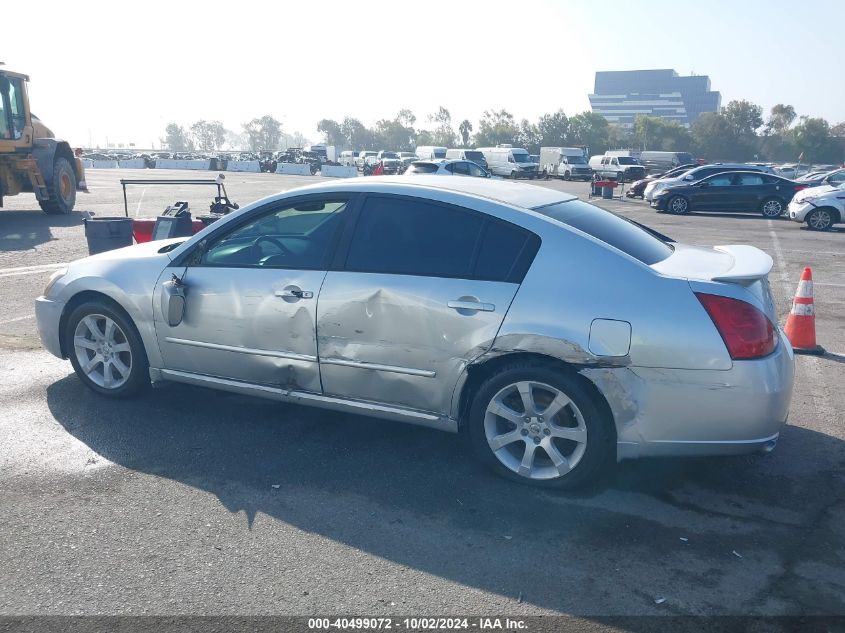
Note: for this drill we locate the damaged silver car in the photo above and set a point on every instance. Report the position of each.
(558, 336)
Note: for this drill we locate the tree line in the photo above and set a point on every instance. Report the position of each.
(207, 136)
(737, 132)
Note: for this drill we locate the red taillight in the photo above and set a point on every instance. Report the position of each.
(747, 332)
(800, 187)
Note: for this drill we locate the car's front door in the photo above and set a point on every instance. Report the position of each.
(711, 193)
(251, 296)
(422, 291)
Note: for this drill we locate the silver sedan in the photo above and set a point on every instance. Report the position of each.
(557, 336)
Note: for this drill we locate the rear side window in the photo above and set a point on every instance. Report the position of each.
(610, 229)
(422, 168)
(407, 236)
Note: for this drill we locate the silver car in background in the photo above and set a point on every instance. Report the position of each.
(558, 336)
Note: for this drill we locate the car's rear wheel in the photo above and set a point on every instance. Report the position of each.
(539, 426)
(772, 207)
(820, 220)
(678, 205)
(106, 350)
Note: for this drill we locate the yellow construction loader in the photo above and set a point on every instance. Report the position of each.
(31, 159)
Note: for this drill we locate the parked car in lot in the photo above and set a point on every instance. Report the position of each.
(831, 178)
(620, 168)
(440, 302)
(694, 175)
(637, 188)
(390, 162)
(729, 191)
(446, 167)
(820, 207)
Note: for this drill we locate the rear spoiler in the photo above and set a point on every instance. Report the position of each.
(749, 264)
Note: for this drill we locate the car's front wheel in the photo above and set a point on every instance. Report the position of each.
(772, 207)
(539, 426)
(820, 220)
(106, 350)
(678, 205)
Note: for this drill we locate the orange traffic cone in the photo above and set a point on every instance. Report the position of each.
(801, 324)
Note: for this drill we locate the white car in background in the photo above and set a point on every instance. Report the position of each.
(820, 207)
(447, 167)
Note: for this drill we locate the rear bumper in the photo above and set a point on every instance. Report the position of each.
(48, 315)
(675, 412)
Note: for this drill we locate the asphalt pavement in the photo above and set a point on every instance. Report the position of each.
(189, 501)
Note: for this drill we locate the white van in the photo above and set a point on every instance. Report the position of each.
(472, 155)
(347, 158)
(569, 163)
(509, 162)
(429, 152)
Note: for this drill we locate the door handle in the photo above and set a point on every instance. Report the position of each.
(471, 305)
(294, 293)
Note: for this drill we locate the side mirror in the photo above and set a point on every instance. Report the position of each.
(173, 301)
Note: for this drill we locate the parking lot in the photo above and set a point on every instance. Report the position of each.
(192, 501)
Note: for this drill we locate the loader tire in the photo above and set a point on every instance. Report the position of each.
(62, 189)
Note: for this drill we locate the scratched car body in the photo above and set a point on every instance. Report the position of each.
(558, 336)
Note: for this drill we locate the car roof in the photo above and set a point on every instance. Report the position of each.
(508, 192)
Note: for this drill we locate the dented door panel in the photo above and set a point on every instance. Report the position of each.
(246, 324)
(394, 339)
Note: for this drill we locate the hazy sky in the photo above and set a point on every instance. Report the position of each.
(107, 69)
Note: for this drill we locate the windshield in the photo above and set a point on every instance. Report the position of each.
(389, 155)
(627, 160)
(576, 160)
(474, 156)
(633, 239)
(439, 153)
(521, 158)
(683, 157)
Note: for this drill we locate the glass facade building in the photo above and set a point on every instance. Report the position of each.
(619, 96)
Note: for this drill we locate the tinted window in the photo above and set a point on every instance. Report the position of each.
(475, 170)
(750, 179)
(439, 153)
(610, 229)
(421, 168)
(414, 237)
(462, 169)
(295, 236)
(501, 247)
(837, 177)
(722, 180)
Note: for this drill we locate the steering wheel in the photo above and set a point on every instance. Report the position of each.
(267, 238)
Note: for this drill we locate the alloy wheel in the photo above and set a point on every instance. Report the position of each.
(678, 205)
(535, 430)
(820, 220)
(103, 351)
(772, 208)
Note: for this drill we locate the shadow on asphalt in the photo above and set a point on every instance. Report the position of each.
(372, 484)
(24, 230)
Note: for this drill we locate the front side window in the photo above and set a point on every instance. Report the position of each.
(475, 170)
(461, 169)
(297, 236)
(12, 119)
(722, 180)
(836, 178)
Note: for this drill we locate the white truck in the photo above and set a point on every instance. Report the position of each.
(569, 163)
(509, 162)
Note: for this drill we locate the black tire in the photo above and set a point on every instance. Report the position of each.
(62, 189)
(566, 175)
(772, 207)
(820, 220)
(513, 175)
(138, 380)
(620, 177)
(677, 205)
(599, 452)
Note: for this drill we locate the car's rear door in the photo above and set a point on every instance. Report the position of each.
(422, 289)
(753, 188)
